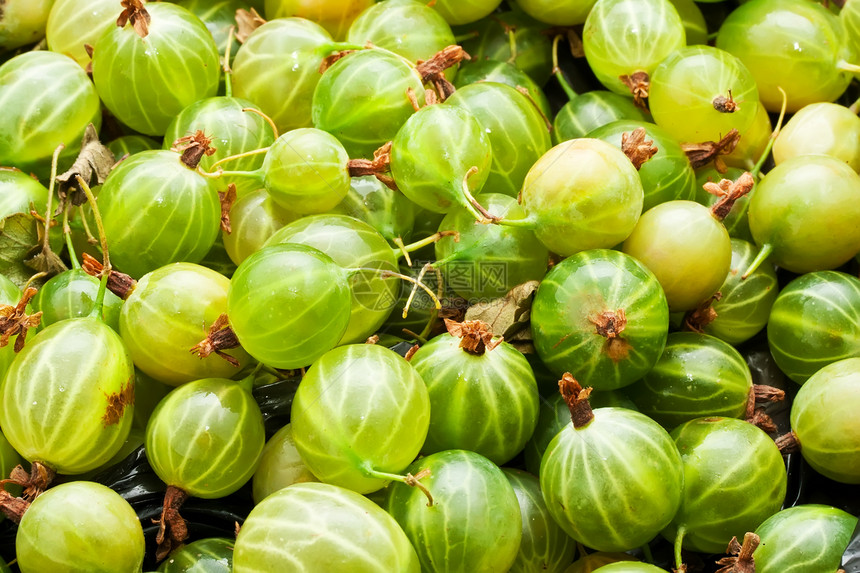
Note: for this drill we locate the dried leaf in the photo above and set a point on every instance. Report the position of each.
(509, 314)
(19, 239)
(94, 159)
(246, 23)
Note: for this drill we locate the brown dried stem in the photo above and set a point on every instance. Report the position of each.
(378, 166)
(744, 561)
(220, 338)
(475, 336)
(576, 398)
(227, 198)
(135, 13)
(788, 443)
(635, 147)
(728, 192)
(700, 154)
(14, 320)
(118, 283)
(172, 529)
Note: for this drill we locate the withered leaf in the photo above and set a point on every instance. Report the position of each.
(19, 240)
(246, 23)
(507, 315)
(94, 159)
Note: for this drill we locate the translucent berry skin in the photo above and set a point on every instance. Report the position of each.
(66, 396)
(639, 499)
(734, 479)
(686, 247)
(802, 538)
(569, 303)
(582, 194)
(792, 44)
(151, 220)
(360, 408)
(361, 99)
(324, 528)
(206, 437)
(685, 85)
(80, 522)
(832, 448)
(288, 305)
(136, 78)
(806, 209)
(622, 37)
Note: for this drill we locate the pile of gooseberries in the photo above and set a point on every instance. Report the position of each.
(394, 285)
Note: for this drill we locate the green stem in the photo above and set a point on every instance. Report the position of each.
(848, 67)
(468, 36)
(384, 273)
(559, 75)
(46, 243)
(646, 551)
(524, 223)
(767, 149)
(440, 292)
(67, 235)
(679, 543)
(763, 254)
(228, 71)
(404, 250)
(512, 40)
(855, 107)
(106, 268)
(238, 156)
(408, 479)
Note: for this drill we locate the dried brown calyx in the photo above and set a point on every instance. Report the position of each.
(755, 414)
(329, 60)
(634, 146)
(475, 335)
(193, 148)
(697, 319)
(728, 192)
(725, 104)
(14, 320)
(221, 337)
(576, 398)
(610, 324)
(429, 98)
(227, 198)
(378, 166)
(411, 352)
(788, 443)
(118, 283)
(135, 13)
(433, 70)
(33, 483)
(246, 22)
(172, 529)
(639, 84)
(744, 561)
(700, 154)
